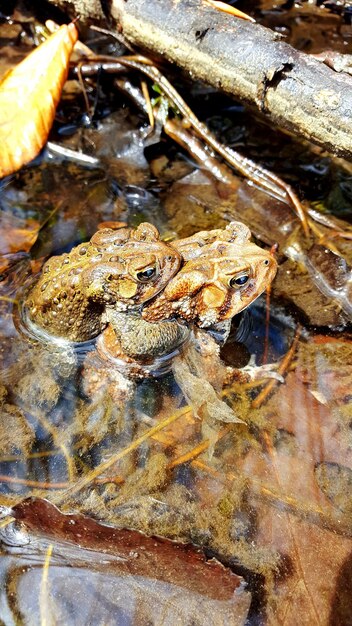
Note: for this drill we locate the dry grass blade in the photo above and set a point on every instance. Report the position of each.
(44, 591)
(5, 522)
(29, 95)
(148, 104)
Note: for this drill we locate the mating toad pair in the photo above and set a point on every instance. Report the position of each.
(146, 290)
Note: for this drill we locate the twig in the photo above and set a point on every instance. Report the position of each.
(83, 88)
(221, 172)
(115, 35)
(262, 396)
(192, 454)
(36, 484)
(318, 232)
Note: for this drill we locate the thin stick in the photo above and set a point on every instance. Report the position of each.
(262, 396)
(36, 484)
(148, 104)
(115, 35)
(318, 232)
(191, 455)
(83, 88)
(200, 153)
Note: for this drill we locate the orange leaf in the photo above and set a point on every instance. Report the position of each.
(226, 8)
(17, 234)
(29, 95)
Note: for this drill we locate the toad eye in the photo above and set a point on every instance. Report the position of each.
(146, 274)
(239, 280)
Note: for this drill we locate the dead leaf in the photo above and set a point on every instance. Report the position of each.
(120, 570)
(298, 484)
(17, 234)
(315, 559)
(29, 95)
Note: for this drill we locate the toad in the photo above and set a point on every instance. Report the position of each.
(117, 268)
(222, 274)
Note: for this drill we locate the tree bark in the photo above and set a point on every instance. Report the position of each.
(295, 91)
(249, 61)
(87, 10)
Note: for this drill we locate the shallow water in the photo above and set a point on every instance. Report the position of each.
(270, 498)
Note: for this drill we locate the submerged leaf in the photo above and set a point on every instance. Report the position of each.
(29, 95)
(98, 572)
(17, 234)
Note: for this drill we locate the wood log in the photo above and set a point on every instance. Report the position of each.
(295, 91)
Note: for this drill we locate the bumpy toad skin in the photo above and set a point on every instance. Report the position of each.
(222, 274)
(141, 340)
(116, 268)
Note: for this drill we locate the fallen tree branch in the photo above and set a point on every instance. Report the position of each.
(251, 62)
(294, 90)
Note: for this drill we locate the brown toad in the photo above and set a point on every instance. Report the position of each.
(116, 268)
(223, 273)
